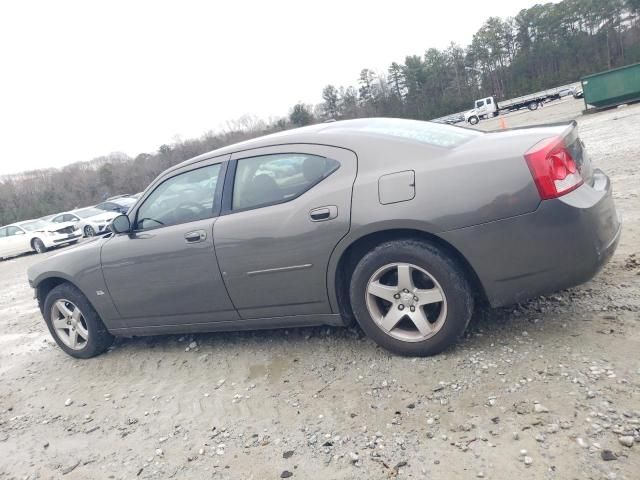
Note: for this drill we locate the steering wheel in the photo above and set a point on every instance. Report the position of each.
(191, 205)
(188, 211)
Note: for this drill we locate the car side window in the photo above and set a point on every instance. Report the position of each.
(488, 101)
(70, 218)
(187, 197)
(11, 231)
(479, 103)
(57, 219)
(271, 179)
(3, 232)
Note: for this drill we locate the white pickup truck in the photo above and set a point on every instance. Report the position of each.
(489, 107)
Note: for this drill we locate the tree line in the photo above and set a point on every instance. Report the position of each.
(543, 46)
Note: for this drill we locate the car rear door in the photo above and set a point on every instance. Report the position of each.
(164, 273)
(284, 210)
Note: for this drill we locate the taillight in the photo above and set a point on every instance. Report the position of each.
(553, 168)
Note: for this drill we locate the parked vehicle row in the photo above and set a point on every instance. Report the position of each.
(94, 220)
(90, 221)
(38, 235)
(61, 229)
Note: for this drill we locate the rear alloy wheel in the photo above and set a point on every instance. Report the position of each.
(411, 298)
(74, 324)
(412, 308)
(38, 245)
(89, 231)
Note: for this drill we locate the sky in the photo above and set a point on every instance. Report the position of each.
(81, 79)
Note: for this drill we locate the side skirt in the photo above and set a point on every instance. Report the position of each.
(253, 324)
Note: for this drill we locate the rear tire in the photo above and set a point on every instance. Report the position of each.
(394, 317)
(38, 245)
(67, 298)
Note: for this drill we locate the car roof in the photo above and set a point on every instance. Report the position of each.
(122, 201)
(80, 209)
(75, 210)
(350, 134)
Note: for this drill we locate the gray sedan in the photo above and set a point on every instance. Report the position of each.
(401, 226)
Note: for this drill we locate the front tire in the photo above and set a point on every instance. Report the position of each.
(38, 245)
(474, 120)
(411, 298)
(89, 231)
(74, 324)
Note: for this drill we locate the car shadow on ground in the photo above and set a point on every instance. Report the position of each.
(486, 326)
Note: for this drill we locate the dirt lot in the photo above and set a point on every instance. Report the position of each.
(546, 389)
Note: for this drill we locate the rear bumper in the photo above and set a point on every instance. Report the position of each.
(564, 243)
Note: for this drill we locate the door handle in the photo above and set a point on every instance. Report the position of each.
(322, 214)
(196, 236)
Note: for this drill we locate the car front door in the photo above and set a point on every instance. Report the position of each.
(164, 272)
(284, 210)
(17, 241)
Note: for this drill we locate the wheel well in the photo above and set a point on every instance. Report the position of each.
(45, 286)
(33, 242)
(354, 253)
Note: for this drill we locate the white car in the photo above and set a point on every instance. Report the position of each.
(37, 235)
(90, 220)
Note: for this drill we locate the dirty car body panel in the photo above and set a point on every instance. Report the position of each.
(280, 263)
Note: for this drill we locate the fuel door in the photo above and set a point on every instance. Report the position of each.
(397, 187)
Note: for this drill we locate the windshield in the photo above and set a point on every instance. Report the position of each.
(35, 225)
(88, 212)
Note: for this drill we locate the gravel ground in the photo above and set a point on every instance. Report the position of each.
(545, 389)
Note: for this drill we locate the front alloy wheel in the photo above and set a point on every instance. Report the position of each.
(89, 231)
(406, 302)
(73, 322)
(69, 324)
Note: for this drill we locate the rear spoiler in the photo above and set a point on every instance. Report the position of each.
(570, 124)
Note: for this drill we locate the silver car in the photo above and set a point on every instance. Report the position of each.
(401, 226)
(90, 220)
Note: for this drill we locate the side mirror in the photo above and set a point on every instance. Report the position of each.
(120, 224)
(19, 232)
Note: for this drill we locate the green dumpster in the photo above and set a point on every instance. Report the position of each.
(613, 87)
